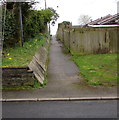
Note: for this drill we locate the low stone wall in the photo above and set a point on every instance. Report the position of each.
(15, 77)
(89, 40)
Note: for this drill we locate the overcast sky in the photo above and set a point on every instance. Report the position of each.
(70, 10)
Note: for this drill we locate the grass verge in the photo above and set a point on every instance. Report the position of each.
(100, 69)
(21, 56)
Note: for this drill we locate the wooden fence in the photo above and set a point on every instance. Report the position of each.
(89, 40)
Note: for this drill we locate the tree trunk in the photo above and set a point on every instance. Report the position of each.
(17, 17)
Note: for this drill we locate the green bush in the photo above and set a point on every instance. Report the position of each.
(37, 22)
(34, 22)
(66, 23)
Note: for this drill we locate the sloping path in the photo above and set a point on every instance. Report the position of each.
(63, 80)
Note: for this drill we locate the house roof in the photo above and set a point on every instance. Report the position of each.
(106, 20)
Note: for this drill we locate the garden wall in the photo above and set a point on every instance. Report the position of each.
(39, 62)
(88, 40)
(15, 77)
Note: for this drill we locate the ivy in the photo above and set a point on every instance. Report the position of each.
(34, 22)
(10, 30)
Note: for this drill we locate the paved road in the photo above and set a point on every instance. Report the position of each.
(64, 109)
(63, 80)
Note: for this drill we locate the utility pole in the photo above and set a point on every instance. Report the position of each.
(48, 25)
(2, 25)
(4, 17)
(49, 28)
(45, 5)
(21, 25)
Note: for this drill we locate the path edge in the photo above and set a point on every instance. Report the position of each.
(59, 99)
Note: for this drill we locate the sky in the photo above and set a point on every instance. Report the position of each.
(70, 10)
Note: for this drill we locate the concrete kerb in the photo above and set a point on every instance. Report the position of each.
(59, 99)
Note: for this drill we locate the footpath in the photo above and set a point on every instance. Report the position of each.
(64, 82)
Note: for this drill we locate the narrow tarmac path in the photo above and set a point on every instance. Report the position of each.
(63, 80)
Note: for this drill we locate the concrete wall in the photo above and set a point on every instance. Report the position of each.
(39, 62)
(88, 40)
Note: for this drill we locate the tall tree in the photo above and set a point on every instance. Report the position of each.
(13, 14)
(84, 19)
(55, 16)
(34, 22)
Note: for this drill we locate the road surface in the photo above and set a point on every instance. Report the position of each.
(60, 109)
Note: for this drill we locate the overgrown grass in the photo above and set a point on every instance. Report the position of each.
(21, 56)
(100, 69)
(37, 85)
